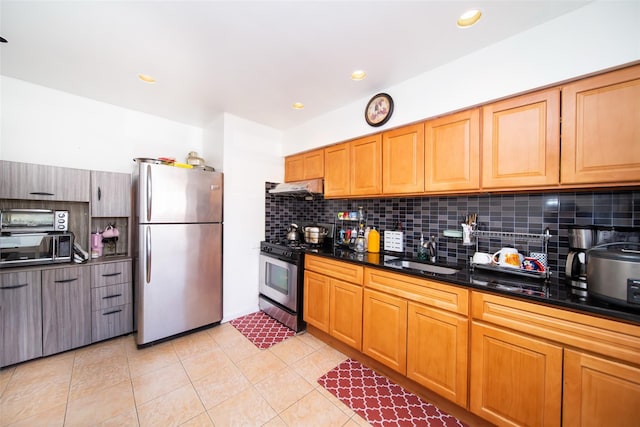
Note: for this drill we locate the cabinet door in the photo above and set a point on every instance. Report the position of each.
(599, 392)
(403, 160)
(437, 346)
(601, 129)
(337, 176)
(20, 317)
(66, 309)
(521, 141)
(366, 166)
(110, 194)
(314, 164)
(41, 182)
(452, 152)
(111, 322)
(316, 300)
(294, 168)
(384, 329)
(515, 379)
(72, 185)
(27, 181)
(345, 313)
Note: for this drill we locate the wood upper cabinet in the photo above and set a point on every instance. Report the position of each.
(601, 129)
(27, 181)
(516, 379)
(366, 166)
(452, 152)
(337, 173)
(384, 329)
(403, 160)
(66, 309)
(299, 167)
(110, 194)
(20, 317)
(521, 141)
(599, 392)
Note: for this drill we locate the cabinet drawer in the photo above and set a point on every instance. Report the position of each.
(110, 273)
(340, 270)
(65, 275)
(424, 291)
(111, 322)
(110, 296)
(607, 337)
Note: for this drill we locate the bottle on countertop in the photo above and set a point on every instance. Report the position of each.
(422, 250)
(373, 244)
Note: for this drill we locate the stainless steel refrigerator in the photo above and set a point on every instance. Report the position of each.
(178, 249)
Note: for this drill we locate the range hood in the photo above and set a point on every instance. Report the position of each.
(305, 189)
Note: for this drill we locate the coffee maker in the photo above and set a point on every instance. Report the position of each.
(581, 239)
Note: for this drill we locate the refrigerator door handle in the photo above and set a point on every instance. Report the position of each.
(147, 253)
(149, 199)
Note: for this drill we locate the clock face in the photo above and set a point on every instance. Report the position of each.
(379, 109)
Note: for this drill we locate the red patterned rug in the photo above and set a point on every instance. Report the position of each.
(262, 330)
(379, 401)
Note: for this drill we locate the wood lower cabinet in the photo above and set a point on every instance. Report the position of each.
(317, 294)
(452, 152)
(521, 141)
(345, 312)
(333, 298)
(601, 129)
(599, 392)
(518, 375)
(66, 309)
(516, 380)
(403, 160)
(111, 300)
(384, 329)
(418, 327)
(20, 317)
(437, 351)
(309, 165)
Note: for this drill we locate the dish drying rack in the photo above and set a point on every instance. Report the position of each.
(542, 239)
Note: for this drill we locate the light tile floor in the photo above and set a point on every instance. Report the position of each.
(214, 377)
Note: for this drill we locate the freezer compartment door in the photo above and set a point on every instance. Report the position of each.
(179, 279)
(168, 194)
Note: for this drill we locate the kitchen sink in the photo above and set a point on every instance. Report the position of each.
(415, 265)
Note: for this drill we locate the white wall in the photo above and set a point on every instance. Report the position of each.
(598, 36)
(252, 155)
(46, 126)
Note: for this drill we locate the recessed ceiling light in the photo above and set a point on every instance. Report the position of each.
(146, 78)
(358, 75)
(298, 105)
(469, 18)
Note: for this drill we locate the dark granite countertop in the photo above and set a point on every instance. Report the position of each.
(553, 292)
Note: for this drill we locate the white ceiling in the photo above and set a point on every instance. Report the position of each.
(251, 59)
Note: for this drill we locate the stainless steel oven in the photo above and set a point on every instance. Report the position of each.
(281, 277)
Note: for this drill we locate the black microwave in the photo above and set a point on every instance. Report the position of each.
(35, 248)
